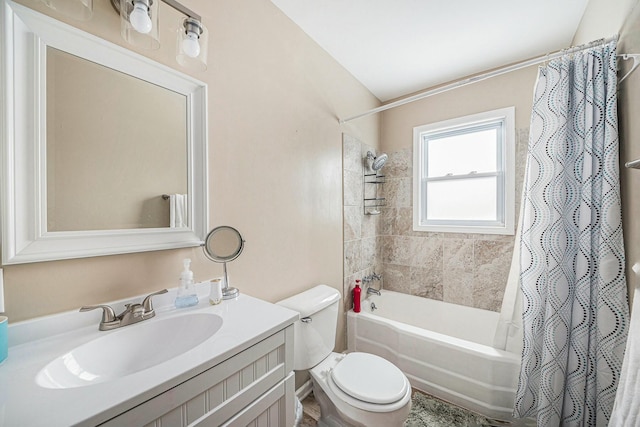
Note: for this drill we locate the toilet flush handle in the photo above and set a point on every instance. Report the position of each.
(306, 319)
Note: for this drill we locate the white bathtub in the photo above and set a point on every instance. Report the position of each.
(444, 349)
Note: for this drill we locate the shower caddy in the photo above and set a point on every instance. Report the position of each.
(371, 204)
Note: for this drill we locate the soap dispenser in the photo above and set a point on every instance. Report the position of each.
(187, 295)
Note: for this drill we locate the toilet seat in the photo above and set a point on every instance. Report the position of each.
(323, 374)
(344, 398)
(370, 378)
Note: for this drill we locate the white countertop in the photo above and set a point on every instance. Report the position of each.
(34, 343)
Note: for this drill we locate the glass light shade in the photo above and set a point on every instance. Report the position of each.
(76, 9)
(192, 44)
(139, 23)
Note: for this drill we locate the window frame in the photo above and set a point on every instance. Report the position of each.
(501, 119)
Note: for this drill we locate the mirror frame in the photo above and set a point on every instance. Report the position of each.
(222, 259)
(25, 37)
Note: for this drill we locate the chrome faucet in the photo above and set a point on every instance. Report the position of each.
(370, 291)
(369, 279)
(133, 313)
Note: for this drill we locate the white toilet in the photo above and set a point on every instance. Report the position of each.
(356, 389)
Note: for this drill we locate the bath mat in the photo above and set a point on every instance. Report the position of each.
(430, 412)
(426, 411)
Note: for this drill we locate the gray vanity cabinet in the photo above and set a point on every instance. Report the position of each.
(254, 387)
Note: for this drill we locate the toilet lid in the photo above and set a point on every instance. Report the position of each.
(370, 378)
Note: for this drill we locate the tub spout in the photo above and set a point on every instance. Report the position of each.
(373, 291)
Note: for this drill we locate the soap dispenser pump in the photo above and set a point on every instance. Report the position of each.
(187, 295)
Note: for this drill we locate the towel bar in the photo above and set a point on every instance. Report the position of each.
(634, 164)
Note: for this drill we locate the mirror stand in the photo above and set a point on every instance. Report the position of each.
(228, 292)
(224, 244)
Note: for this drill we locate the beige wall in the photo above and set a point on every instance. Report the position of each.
(602, 18)
(275, 166)
(514, 88)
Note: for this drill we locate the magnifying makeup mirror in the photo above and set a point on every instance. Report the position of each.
(224, 244)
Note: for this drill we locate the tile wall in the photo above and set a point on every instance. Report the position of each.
(362, 240)
(465, 269)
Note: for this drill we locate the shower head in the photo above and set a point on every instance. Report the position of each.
(378, 161)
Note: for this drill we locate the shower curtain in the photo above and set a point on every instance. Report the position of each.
(575, 312)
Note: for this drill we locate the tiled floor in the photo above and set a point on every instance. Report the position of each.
(311, 413)
(426, 411)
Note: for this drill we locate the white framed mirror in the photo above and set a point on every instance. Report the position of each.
(89, 133)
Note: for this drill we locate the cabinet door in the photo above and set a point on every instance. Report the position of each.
(218, 394)
(274, 408)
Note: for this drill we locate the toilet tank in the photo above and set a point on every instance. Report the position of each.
(315, 331)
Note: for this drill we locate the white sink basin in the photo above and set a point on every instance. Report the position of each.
(128, 350)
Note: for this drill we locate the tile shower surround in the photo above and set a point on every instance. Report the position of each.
(465, 269)
(362, 239)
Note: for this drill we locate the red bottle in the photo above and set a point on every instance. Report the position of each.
(356, 297)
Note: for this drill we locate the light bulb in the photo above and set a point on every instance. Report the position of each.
(190, 45)
(139, 18)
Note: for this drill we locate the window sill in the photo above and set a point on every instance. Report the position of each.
(504, 230)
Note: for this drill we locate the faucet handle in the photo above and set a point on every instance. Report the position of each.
(108, 315)
(146, 303)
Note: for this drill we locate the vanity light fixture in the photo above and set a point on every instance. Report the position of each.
(139, 27)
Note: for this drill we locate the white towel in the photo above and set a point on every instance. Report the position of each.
(626, 409)
(178, 210)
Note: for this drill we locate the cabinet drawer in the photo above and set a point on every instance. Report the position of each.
(274, 408)
(220, 392)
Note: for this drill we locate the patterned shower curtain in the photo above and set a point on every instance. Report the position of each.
(575, 310)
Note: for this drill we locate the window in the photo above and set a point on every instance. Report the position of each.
(464, 174)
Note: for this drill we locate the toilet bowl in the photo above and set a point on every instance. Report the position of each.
(355, 389)
(372, 393)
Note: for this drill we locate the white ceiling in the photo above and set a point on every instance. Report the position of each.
(396, 47)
